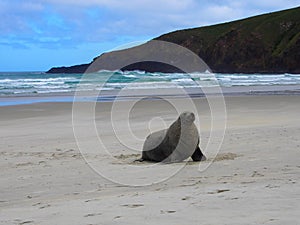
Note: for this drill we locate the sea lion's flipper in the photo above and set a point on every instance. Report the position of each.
(198, 155)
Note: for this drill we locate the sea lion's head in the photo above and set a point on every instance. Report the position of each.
(187, 117)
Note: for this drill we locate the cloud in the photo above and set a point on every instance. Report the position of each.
(67, 23)
(152, 5)
(272, 4)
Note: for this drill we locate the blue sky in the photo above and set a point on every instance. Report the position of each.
(38, 34)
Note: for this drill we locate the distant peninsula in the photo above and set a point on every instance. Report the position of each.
(268, 43)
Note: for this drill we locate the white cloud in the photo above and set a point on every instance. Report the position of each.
(31, 6)
(115, 19)
(273, 4)
(20, 6)
(133, 4)
(222, 13)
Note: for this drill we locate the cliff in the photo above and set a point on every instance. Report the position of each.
(268, 43)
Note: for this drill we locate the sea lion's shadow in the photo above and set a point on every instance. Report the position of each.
(134, 159)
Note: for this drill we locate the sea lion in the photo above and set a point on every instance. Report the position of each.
(174, 144)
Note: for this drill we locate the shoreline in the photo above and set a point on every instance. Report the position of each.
(132, 94)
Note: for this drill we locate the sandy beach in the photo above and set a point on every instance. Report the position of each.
(254, 179)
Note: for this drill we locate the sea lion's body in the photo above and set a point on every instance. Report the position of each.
(174, 144)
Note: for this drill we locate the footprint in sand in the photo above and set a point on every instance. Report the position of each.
(117, 217)
(45, 206)
(218, 191)
(256, 174)
(24, 164)
(26, 222)
(127, 159)
(167, 211)
(133, 205)
(92, 214)
(225, 156)
(122, 156)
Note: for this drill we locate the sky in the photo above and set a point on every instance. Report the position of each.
(36, 35)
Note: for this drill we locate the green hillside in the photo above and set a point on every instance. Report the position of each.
(265, 43)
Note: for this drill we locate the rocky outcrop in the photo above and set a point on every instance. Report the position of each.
(268, 43)
(72, 69)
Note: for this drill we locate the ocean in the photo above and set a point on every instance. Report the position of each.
(39, 83)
